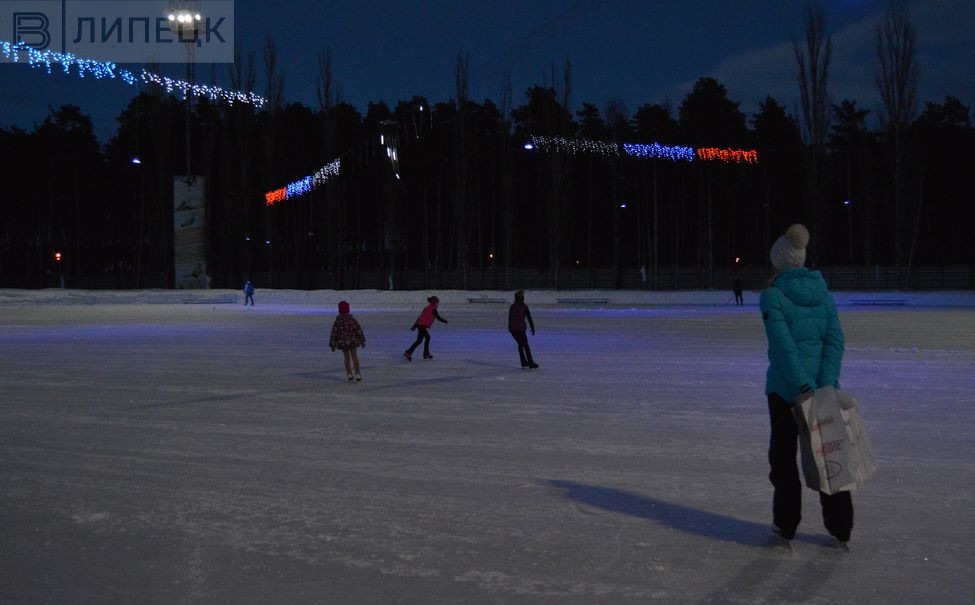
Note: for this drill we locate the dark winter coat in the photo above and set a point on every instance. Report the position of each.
(346, 333)
(518, 314)
(805, 339)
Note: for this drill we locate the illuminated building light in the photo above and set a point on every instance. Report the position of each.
(106, 69)
(656, 150)
(728, 156)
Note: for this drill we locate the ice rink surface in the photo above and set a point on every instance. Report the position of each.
(163, 453)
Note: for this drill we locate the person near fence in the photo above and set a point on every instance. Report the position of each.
(248, 293)
(422, 327)
(519, 321)
(805, 351)
(347, 335)
(737, 288)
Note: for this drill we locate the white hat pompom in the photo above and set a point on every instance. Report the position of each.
(789, 251)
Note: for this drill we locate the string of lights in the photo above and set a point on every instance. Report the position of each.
(728, 156)
(332, 169)
(106, 69)
(304, 185)
(546, 144)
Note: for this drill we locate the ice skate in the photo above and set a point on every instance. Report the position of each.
(350, 377)
(427, 356)
(358, 378)
(407, 355)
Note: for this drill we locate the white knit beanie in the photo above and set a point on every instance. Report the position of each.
(789, 251)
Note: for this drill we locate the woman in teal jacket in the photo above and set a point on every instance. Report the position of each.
(805, 351)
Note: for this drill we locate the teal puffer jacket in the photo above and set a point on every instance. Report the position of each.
(805, 340)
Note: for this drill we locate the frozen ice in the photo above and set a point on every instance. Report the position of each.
(154, 451)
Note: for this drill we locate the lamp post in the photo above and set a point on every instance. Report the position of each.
(186, 22)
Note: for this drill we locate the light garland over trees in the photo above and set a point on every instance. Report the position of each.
(639, 150)
(106, 69)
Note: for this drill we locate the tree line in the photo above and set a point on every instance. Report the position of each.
(464, 198)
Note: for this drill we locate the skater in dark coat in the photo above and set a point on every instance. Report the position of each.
(347, 335)
(518, 316)
(736, 287)
(248, 293)
(805, 351)
(422, 326)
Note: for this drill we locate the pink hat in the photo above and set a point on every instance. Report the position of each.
(343, 308)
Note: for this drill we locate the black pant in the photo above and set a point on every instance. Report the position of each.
(524, 351)
(784, 475)
(739, 299)
(422, 335)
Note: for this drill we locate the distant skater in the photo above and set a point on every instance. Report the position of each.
(422, 326)
(347, 335)
(248, 293)
(805, 352)
(736, 286)
(518, 316)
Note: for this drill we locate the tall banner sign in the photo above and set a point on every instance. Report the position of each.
(189, 237)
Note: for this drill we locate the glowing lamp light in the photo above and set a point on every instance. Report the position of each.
(737, 259)
(847, 202)
(529, 146)
(136, 161)
(623, 205)
(57, 257)
(491, 255)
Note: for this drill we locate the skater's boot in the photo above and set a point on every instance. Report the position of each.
(427, 356)
(532, 365)
(350, 377)
(358, 378)
(408, 356)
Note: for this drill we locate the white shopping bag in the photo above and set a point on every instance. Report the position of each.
(836, 454)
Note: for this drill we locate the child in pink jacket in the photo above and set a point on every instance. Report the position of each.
(422, 326)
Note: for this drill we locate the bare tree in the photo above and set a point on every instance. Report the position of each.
(813, 58)
(896, 78)
(461, 203)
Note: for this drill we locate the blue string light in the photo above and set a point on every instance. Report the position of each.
(656, 150)
(107, 69)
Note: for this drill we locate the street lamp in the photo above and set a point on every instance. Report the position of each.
(187, 23)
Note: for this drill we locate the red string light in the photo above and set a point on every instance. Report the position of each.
(707, 154)
(278, 195)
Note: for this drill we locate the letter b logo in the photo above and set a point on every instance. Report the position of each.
(32, 30)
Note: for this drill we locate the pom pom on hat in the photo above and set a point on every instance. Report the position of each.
(789, 251)
(343, 308)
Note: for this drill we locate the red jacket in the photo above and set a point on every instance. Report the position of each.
(428, 315)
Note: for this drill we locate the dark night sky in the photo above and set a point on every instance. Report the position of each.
(638, 50)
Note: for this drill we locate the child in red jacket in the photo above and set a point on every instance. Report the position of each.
(347, 335)
(422, 326)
